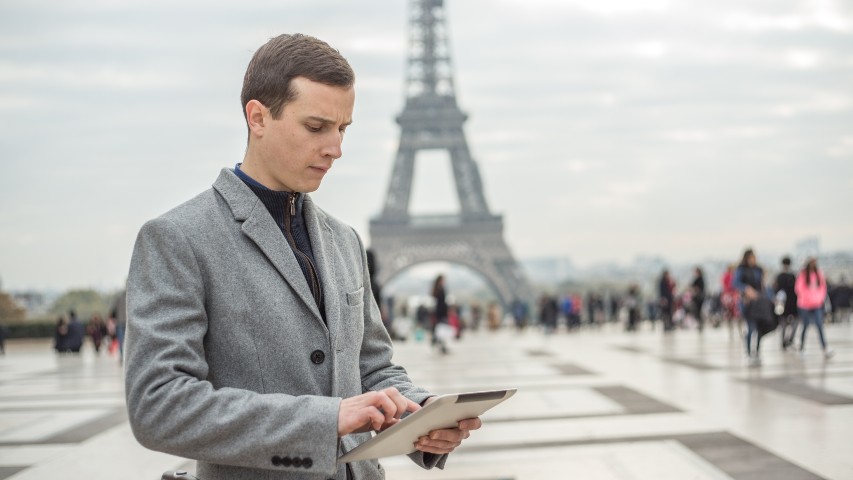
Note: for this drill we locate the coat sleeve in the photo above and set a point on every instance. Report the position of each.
(377, 370)
(172, 407)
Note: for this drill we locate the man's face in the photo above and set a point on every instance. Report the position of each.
(297, 149)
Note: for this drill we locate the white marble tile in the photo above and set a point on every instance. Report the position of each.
(14, 456)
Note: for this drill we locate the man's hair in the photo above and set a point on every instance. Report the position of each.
(286, 57)
(786, 260)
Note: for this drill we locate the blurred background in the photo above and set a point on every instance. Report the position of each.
(616, 137)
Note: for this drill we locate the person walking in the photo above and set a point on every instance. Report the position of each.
(811, 296)
(441, 325)
(666, 300)
(749, 280)
(97, 330)
(697, 296)
(783, 286)
(76, 333)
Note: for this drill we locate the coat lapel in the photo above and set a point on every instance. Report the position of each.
(323, 247)
(259, 226)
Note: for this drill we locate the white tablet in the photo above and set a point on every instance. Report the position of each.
(444, 412)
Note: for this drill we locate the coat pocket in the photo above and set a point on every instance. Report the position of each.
(356, 297)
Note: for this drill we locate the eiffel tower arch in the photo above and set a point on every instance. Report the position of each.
(431, 120)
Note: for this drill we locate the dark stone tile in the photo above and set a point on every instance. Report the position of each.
(694, 364)
(798, 388)
(6, 472)
(742, 460)
(83, 432)
(539, 353)
(630, 349)
(89, 430)
(634, 402)
(571, 369)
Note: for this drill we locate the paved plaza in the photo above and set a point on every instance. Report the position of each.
(591, 405)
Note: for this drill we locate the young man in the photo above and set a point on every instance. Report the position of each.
(788, 321)
(254, 344)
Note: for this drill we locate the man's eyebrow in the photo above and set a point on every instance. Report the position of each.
(325, 121)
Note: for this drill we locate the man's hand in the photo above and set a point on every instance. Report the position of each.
(446, 440)
(373, 411)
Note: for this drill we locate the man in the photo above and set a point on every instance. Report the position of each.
(254, 344)
(784, 288)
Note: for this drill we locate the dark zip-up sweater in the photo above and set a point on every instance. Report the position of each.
(286, 210)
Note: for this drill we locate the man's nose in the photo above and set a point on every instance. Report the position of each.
(333, 146)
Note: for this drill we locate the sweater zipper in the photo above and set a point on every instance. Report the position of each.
(312, 271)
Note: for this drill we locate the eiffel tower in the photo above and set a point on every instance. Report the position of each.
(432, 120)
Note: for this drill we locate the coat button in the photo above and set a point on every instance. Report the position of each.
(307, 462)
(276, 460)
(317, 356)
(297, 462)
(286, 461)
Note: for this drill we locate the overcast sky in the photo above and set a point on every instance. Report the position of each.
(603, 129)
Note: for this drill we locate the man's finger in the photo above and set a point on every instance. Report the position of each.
(381, 401)
(399, 400)
(470, 424)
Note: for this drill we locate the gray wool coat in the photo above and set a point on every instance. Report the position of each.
(227, 358)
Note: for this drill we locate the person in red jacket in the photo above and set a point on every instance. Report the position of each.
(811, 295)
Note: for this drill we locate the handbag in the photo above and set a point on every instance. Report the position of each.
(760, 311)
(445, 332)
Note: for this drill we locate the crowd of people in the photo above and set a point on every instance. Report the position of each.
(747, 301)
(107, 334)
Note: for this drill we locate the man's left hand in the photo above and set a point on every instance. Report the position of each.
(446, 440)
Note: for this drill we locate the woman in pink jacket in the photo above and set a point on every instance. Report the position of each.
(811, 294)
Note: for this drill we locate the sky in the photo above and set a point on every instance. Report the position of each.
(603, 129)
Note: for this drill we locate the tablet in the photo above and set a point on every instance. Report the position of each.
(444, 412)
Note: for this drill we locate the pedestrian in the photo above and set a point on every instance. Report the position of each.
(783, 286)
(749, 280)
(493, 316)
(76, 333)
(666, 300)
(97, 330)
(548, 311)
(633, 303)
(841, 300)
(697, 296)
(120, 310)
(254, 343)
(730, 300)
(441, 329)
(811, 297)
(60, 335)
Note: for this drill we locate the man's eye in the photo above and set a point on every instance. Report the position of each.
(312, 128)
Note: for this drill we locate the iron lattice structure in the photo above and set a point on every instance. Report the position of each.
(432, 120)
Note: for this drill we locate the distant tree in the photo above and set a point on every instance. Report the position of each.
(10, 311)
(84, 302)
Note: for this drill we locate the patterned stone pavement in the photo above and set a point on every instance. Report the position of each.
(592, 405)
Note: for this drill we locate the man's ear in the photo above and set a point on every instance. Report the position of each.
(256, 114)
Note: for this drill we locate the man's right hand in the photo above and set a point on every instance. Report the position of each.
(373, 411)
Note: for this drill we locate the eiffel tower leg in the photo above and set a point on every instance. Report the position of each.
(400, 187)
(467, 176)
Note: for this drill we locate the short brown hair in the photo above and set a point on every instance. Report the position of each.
(286, 57)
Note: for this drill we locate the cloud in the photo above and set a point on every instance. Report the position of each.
(624, 119)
